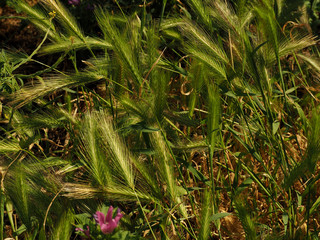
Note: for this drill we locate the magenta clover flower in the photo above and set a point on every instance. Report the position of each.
(107, 223)
(86, 232)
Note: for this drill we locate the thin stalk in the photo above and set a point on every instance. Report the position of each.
(213, 187)
(154, 236)
(2, 196)
(290, 217)
(48, 209)
(85, 98)
(61, 58)
(282, 82)
(189, 195)
(179, 170)
(258, 181)
(124, 16)
(35, 51)
(192, 234)
(225, 157)
(306, 85)
(252, 136)
(143, 20)
(308, 213)
(270, 138)
(164, 3)
(74, 61)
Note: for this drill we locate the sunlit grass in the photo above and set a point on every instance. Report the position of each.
(205, 126)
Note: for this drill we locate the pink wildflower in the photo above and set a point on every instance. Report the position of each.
(107, 223)
(86, 232)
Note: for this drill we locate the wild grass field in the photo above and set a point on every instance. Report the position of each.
(173, 119)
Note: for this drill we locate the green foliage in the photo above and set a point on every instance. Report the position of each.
(206, 212)
(200, 116)
(246, 220)
(8, 63)
(312, 154)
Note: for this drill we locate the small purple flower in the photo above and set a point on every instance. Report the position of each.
(107, 223)
(74, 2)
(86, 232)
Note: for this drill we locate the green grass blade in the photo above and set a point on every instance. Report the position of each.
(206, 213)
(246, 220)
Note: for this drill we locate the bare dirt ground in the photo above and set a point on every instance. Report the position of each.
(17, 34)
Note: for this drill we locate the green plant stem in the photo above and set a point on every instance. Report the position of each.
(154, 236)
(2, 200)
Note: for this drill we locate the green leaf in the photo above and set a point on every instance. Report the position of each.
(244, 185)
(246, 219)
(206, 211)
(196, 173)
(42, 234)
(181, 191)
(20, 230)
(9, 208)
(275, 126)
(124, 235)
(141, 126)
(292, 89)
(285, 219)
(218, 216)
(314, 206)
